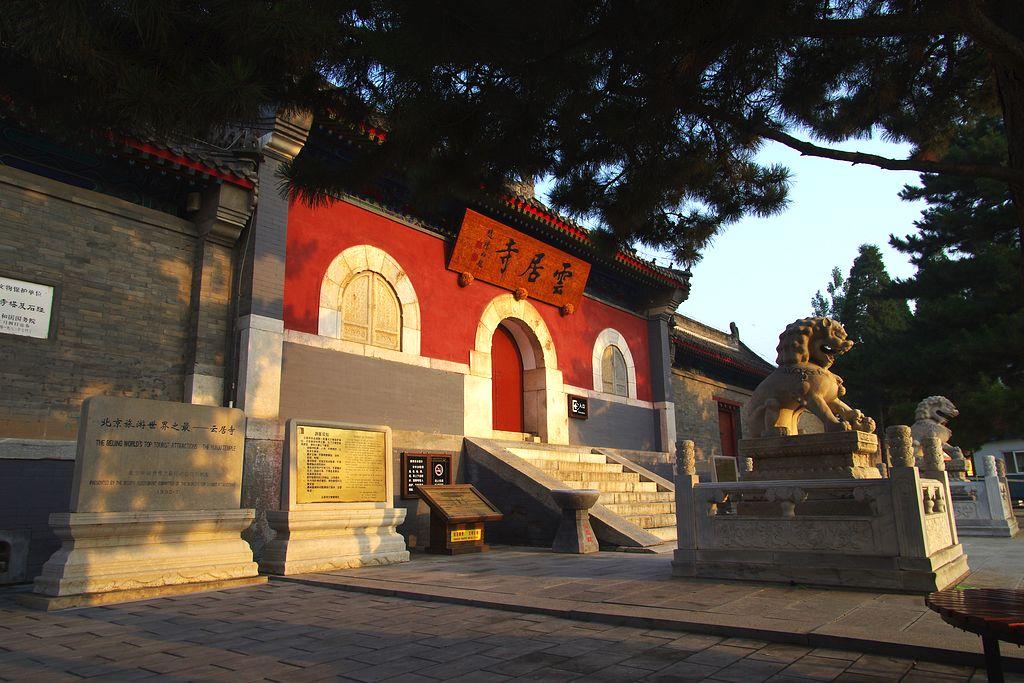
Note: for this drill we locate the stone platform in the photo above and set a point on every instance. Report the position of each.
(982, 505)
(832, 455)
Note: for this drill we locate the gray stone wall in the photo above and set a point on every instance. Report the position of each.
(29, 491)
(124, 276)
(320, 384)
(616, 425)
(696, 400)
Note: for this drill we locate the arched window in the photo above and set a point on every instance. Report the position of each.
(370, 312)
(614, 377)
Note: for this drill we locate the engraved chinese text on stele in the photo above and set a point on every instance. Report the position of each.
(335, 465)
(136, 455)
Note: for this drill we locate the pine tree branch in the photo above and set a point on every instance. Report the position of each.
(916, 23)
(989, 33)
(995, 172)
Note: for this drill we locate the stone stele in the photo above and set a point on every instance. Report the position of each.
(154, 505)
(337, 500)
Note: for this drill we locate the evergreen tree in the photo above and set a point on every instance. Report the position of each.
(873, 319)
(967, 333)
(830, 304)
(648, 114)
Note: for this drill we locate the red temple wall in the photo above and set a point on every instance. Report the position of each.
(449, 314)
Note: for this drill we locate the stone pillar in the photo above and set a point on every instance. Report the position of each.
(684, 562)
(223, 212)
(932, 463)
(260, 324)
(575, 534)
(659, 322)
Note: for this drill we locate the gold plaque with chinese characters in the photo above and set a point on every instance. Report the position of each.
(336, 465)
(136, 455)
(496, 253)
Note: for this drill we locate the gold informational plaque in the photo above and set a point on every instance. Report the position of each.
(335, 465)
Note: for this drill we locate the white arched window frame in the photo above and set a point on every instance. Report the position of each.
(612, 337)
(350, 267)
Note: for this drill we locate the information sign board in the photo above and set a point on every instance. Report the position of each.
(339, 465)
(25, 308)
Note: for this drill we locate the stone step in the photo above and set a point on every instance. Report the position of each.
(531, 454)
(617, 485)
(562, 466)
(570, 476)
(652, 521)
(636, 497)
(665, 533)
(638, 508)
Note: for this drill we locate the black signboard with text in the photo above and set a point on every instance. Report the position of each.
(578, 407)
(434, 469)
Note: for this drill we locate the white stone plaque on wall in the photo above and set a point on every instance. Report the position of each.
(25, 308)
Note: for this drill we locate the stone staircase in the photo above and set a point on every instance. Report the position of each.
(633, 493)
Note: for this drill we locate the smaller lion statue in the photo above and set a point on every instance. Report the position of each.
(930, 420)
(807, 349)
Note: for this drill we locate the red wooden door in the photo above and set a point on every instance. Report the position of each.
(727, 430)
(506, 382)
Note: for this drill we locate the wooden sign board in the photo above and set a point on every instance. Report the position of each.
(135, 454)
(336, 463)
(496, 253)
(457, 516)
(459, 503)
(424, 469)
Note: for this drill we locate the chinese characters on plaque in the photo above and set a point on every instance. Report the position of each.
(136, 454)
(496, 253)
(25, 308)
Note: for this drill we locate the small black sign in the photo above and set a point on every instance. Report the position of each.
(424, 468)
(578, 407)
(440, 470)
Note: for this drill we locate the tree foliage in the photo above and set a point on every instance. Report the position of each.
(830, 304)
(648, 114)
(872, 317)
(965, 335)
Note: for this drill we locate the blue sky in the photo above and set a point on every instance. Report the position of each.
(762, 272)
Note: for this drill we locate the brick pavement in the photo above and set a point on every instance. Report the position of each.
(640, 589)
(294, 632)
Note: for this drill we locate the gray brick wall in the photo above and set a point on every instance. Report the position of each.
(616, 425)
(29, 491)
(697, 414)
(124, 275)
(326, 385)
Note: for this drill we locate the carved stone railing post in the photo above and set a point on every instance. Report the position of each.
(685, 556)
(932, 462)
(901, 445)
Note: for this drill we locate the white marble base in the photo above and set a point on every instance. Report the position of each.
(115, 551)
(324, 540)
(893, 534)
(983, 507)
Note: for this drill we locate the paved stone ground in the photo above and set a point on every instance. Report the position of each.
(293, 632)
(641, 587)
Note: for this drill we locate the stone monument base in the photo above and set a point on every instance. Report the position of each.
(324, 540)
(897, 534)
(53, 603)
(982, 506)
(831, 455)
(115, 552)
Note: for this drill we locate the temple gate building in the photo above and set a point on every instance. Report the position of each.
(181, 273)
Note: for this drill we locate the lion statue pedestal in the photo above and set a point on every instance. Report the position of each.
(815, 508)
(832, 455)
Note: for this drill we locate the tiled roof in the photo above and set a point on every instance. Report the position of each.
(705, 343)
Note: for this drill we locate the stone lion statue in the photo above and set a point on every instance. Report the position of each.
(930, 420)
(807, 348)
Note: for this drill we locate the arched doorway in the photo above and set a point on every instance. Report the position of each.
(506, 382)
